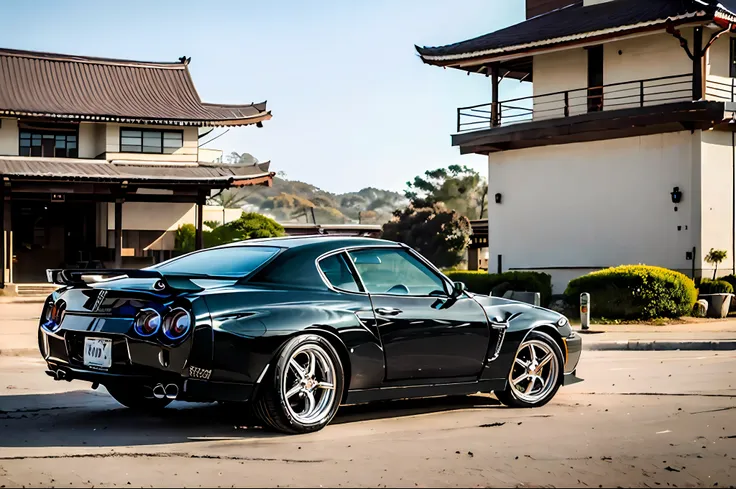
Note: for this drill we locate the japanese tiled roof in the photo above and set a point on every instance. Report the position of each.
(84, 88)
(577, 23)
(102, 171)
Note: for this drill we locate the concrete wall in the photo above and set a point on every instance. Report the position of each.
(557, 72)
(718, 65)
(640, 58)
(717, 211)
(188, 153)
(210, 155)
(91, 139)
(596, 204)
(9, 137)
(146, 216)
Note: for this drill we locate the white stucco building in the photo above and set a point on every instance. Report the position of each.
(631, 100)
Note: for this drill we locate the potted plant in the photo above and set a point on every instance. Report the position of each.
(718, 293)
(715, 257)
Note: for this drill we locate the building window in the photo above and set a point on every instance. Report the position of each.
(48, 144)
(733, 57)
(147, 141)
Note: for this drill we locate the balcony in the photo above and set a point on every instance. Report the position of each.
(624, 109)
(568, 103)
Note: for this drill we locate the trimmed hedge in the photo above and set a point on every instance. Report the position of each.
(484, 283)
(715, 287)
(635, 292)
(731, 279)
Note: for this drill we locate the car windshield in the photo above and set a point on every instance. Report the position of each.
(233, 261)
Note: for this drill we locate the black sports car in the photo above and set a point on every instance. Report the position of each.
(298, 326)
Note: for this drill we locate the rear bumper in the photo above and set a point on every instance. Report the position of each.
(189, 389)
(138, 362)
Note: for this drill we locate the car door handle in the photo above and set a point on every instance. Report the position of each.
(388, 311)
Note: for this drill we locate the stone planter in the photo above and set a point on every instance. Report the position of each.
(718, 304)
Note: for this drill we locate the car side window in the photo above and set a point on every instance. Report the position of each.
(395, 271)
(338, 273)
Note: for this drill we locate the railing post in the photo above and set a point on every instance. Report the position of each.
(458, 120)
(567, 104)
(641, 93)
(733, 85)
(495, 108)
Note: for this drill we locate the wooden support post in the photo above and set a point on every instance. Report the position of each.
(199, 237)
(3, 235)
(698, 63)
(641, 93)
(495, 108)
(119, 233)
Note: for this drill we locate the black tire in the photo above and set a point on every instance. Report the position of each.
(133, 396)
(512, 397)
(270, 404)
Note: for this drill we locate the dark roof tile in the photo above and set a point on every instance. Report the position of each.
(78, 87)
(573, 20)
(104, 171)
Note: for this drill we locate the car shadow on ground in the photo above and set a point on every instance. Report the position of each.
(92, 419)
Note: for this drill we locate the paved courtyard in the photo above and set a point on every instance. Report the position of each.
(653, 419)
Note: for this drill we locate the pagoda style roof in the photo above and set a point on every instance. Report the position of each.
(576, 24)
(159, 173)
(69, 87)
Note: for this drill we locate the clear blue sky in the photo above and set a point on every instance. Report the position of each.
(353, 105)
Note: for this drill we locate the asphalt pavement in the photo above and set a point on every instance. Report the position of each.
(646, 419)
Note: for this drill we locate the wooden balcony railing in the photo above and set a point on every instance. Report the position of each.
(623, 95)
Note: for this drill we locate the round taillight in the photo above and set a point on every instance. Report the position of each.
(53, 315)
(177, 324)
(147, 322)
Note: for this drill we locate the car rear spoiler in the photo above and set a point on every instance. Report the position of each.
(171, 281)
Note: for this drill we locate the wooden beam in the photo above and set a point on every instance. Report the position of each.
(698, 63)
(119, 233)
(199, 236)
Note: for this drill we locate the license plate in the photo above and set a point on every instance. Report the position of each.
(98, 352)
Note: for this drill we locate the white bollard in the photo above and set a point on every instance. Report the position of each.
(585, 310)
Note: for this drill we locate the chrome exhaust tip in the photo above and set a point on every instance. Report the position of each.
(172, 391)
(159, 392)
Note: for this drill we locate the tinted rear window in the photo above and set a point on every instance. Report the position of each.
(235, 261)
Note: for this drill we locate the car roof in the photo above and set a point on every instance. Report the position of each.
(321, 241)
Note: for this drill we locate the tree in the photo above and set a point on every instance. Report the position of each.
(715, 257)
(229, 199)
(249, 225)
(439, 234)
(458, 187)
(235, 158)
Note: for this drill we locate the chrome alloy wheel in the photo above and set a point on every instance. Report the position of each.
(308, 387)
(535, 372)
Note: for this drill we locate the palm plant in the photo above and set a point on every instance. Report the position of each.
(715, 257)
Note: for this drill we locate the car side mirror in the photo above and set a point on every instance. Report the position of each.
(458, 289)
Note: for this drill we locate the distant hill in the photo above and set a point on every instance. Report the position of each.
(293, 201)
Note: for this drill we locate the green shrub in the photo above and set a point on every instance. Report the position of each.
(715, 287)
(498, 283)
(731, 279)
(249, 225)
(635, 292)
